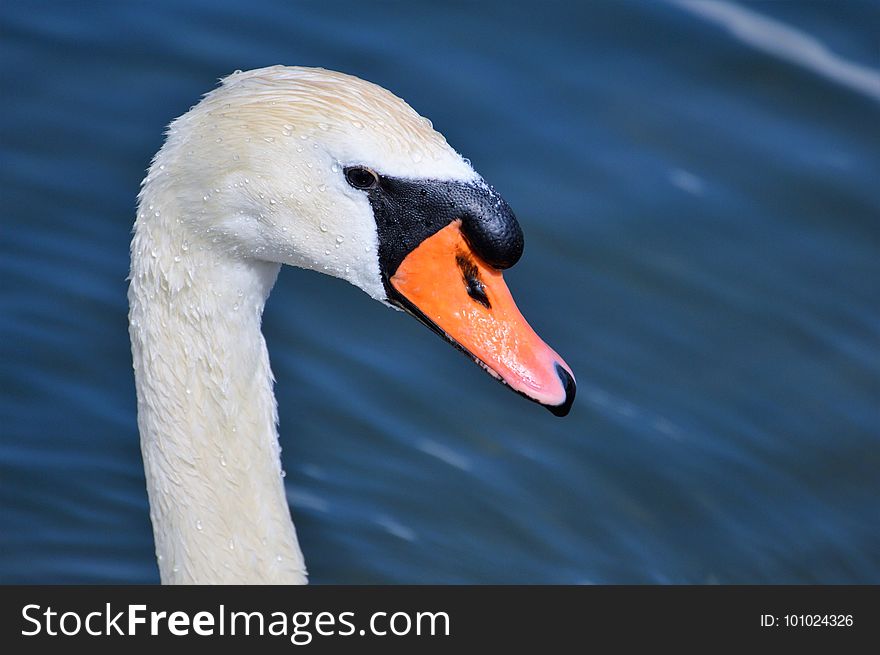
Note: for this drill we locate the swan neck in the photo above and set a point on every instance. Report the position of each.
(206, 410)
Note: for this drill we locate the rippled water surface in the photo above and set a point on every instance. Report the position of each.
(698, 188)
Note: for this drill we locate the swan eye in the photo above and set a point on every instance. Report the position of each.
(361, 177)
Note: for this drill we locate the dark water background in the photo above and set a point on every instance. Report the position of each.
(699, 192)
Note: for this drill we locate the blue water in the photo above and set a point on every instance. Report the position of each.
(699, 194)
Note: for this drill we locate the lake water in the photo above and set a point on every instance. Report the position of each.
(698, 186)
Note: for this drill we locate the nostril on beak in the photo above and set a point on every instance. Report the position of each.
(570, 389)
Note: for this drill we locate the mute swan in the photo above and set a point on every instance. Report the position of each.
(320, 170)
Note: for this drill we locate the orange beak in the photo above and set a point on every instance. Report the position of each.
(450, 289)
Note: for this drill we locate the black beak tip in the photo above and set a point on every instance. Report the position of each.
(570, 390)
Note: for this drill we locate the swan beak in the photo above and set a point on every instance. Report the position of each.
(448, 287)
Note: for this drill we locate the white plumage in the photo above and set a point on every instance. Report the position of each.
(247, 180)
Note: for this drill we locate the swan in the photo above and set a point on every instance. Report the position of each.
(319, 170)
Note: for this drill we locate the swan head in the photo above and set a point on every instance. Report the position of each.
(325, 171)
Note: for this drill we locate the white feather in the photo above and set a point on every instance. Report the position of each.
(248, 179)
